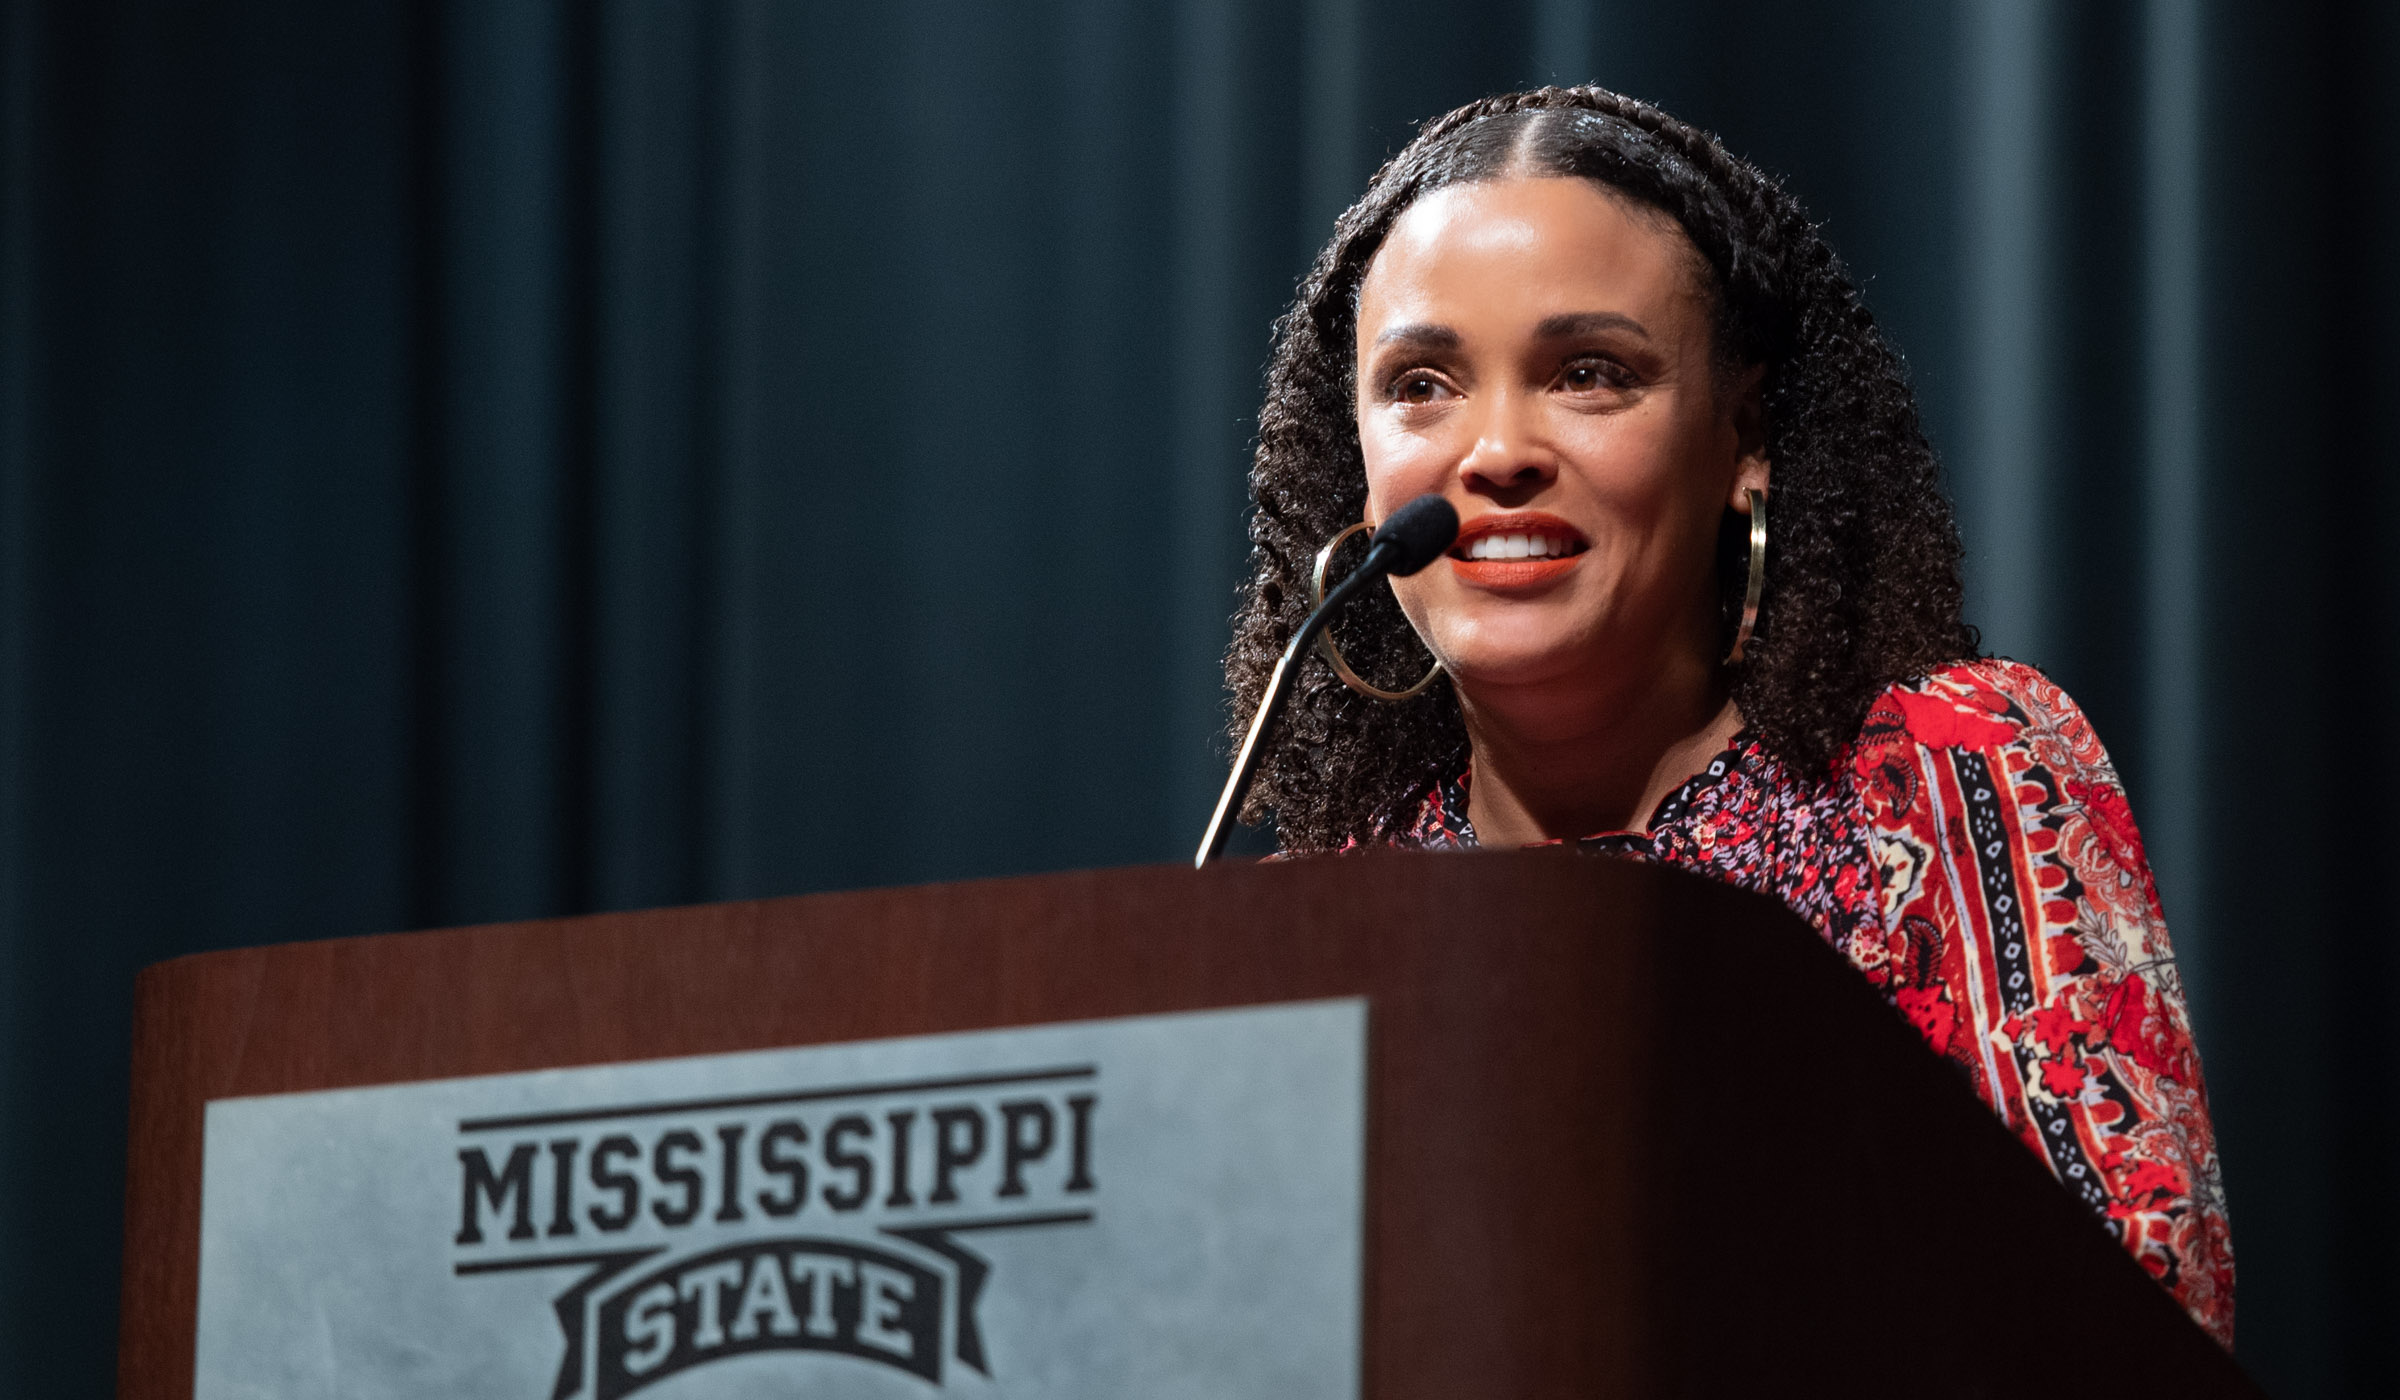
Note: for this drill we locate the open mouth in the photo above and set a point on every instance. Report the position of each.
(1516, 549)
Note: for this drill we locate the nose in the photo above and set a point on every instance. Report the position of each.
(1509, 456)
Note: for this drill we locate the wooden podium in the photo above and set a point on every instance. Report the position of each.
(1628, 1132)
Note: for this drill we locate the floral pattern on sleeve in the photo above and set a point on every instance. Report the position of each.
(1974, 856)
(2021, 933)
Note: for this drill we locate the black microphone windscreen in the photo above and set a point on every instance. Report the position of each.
(1419, 532)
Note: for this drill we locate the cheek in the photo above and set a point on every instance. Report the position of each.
(1645, 471)
(1400, 466)
(1417, 606)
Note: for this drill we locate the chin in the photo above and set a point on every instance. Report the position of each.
(1514, 655)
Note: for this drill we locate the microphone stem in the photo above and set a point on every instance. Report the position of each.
(1245, 763)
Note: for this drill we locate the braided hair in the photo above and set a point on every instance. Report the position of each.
(1862, 586)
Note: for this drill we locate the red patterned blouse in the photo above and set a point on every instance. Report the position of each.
(1976, 859)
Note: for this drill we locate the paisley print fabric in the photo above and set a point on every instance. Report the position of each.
(1973, 855)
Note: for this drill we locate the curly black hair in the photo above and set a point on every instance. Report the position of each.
(1862, 586)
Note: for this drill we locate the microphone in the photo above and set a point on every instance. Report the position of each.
(1414, 536)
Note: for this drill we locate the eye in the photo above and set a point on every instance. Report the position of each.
(1416, 386)
(1592, 374)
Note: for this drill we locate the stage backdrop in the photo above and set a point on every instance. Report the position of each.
(515, 457)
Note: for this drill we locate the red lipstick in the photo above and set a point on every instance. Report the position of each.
(1523, 550)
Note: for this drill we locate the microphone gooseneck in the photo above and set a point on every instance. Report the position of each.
(1414, 536)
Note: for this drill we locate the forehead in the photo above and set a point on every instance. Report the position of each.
(1524, 249)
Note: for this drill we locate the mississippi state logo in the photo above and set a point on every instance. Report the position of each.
(835, 1219)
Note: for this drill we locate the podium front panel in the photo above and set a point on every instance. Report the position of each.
(1090, 1210)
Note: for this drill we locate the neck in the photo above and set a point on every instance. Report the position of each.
(1561, 762)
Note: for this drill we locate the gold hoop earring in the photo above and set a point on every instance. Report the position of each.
(1758, 575)
(1332, 653)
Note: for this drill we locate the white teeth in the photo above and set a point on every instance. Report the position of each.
(1517, 547)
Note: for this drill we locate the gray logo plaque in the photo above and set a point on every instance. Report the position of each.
(1161, 1206)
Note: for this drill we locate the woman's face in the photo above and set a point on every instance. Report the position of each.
(1538, 351)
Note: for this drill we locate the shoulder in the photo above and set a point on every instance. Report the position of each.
(1989, 762)
(1998, 746)
(1979, 705)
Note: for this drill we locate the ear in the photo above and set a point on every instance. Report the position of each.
(1749, 421)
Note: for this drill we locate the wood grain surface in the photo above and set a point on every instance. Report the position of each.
(1630, 1132)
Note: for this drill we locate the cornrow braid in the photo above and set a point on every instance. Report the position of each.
(1862, 570)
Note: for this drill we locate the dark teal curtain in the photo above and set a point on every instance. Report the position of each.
(477, 460)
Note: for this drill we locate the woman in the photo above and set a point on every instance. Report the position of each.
(1623, 355)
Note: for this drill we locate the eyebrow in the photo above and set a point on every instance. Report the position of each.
(1586, 323)
(1559, 327)
(1421, 333)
